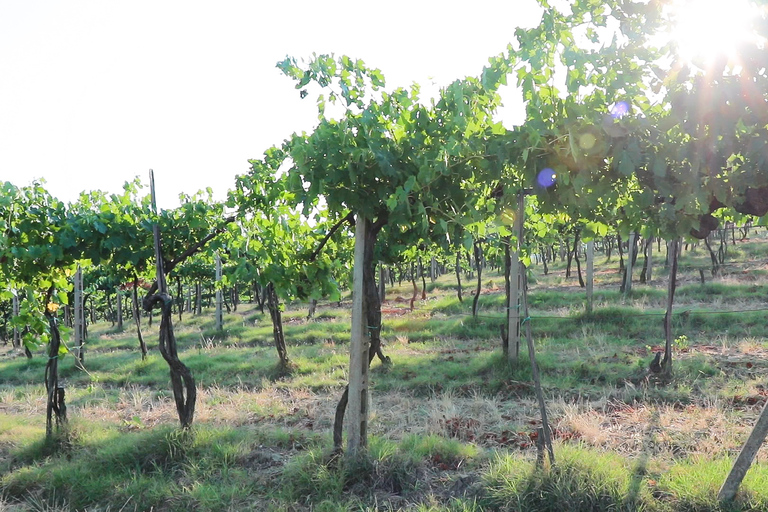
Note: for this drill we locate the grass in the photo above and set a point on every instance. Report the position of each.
(451, 418)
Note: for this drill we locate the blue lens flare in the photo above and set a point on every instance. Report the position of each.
(619, 109)
(546, 178)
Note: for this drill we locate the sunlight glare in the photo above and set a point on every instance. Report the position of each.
(706, 29)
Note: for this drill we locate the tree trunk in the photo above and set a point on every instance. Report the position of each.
(576, 257)
(644, 272)
(227, 292)
(55, 402)
(260, 298)
(182, 381)
(312, 308)
(570, 260)
(470, 274)
(621, 252)
(433, 269)
(713, 257)
(535, 368)
(273, 304)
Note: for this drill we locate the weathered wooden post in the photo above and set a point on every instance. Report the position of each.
(513, 325)
(649, 270)
(628, 264)
(535, 369)
(16, 332)
(79, 318)
(198, 298)
(673, 248)
(590, 274)
(358, 353)
(745, 458)
(119, 308)
(382, 279)
(219, 314)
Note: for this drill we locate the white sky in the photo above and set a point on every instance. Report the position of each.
(93, 93)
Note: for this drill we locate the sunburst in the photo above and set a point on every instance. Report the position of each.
(705, 30)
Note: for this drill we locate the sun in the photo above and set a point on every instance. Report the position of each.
(708, 29)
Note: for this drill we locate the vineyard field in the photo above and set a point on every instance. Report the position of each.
(453, 424)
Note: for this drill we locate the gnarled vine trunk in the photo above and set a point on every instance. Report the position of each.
(55, 402)
(137, 317)
(458, 276)
(273, 304)
(182, 381)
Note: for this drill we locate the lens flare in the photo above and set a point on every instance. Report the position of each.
(507, 216)
(587, 141)
(619, 109)
(546, 177)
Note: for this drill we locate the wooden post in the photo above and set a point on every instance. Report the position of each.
(79, 318)
(745, 458)
(16, 332)
(219, 314)
(672, 248)
(382, 279)
(513, 326)
(590, 274)
(649, 270)
(119, 309)
(433, 270)
(182, 381)
(162, 287)
(628, 264)
(358, 352)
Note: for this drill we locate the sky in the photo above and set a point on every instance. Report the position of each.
(95, 93)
